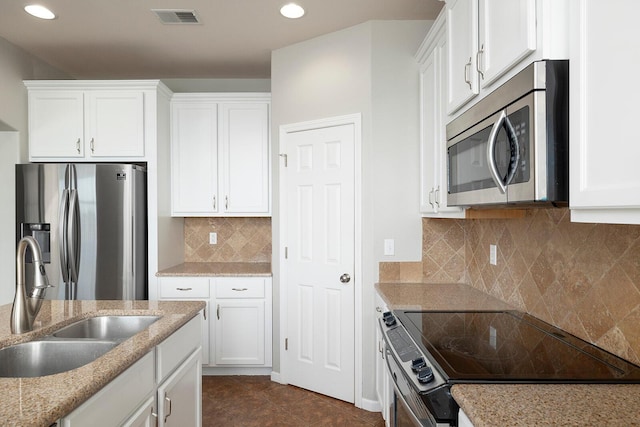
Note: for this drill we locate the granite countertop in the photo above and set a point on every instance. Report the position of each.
(258, 269)
(518, 404)
(41, 401)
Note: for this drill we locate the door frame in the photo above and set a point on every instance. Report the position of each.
(284, 130)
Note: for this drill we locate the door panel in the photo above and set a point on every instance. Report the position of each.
(320, 229)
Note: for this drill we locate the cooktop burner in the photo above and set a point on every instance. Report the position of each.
(510, 346)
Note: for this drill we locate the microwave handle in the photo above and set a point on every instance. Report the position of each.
(514, 144)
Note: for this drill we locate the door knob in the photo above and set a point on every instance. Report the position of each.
(345, 278)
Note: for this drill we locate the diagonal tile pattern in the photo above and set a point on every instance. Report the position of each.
(239, 240)
(583, 278)
(246, 401)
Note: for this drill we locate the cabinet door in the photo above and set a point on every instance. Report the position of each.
(194, 159)
(145, 416)
(429, 133)
(56, 124)
(462, 41)
(114, 123)
(507, 35)
(244, 132)
(180, 396)
(240, 332)
(604, 178)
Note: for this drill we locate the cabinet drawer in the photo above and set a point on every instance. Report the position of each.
(172, 351)
(240, 287)
(180, 287)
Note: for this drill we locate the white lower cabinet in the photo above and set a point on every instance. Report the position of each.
(166, 381)
(237, 330)
(383, 384)
(179, 397)
(145, 416)
(189, 289)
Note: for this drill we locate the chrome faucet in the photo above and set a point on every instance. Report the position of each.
(25, 309)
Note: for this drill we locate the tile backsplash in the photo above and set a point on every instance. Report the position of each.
(239, 240)
(583, 278)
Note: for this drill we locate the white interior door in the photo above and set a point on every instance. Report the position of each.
(319, 272)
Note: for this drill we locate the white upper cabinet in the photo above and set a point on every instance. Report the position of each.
(245, 147)
(604, 174)
(114, 123)
(56, 124)
(220, 149)
(462, 42)
(194, 158)
(488, 41)
(87, 121)
(433, 161)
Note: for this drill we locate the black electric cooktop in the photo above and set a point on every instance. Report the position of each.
(511, 347)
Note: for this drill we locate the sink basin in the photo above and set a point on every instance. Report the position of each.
(114, 328)
(40, 358)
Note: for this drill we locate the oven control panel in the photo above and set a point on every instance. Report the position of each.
(415, 365)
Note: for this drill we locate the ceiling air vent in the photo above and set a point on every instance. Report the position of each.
(176, 16)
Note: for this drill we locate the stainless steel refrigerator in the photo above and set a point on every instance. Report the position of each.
(91, 223)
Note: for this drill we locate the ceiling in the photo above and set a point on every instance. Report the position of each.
(93, 39)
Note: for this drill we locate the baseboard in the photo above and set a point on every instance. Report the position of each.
(212, 371)
(276, 377)
(371, 405)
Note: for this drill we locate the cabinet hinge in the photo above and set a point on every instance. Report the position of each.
(286, 252)
(286, 343)
(285, 159)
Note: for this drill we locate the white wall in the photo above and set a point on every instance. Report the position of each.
(16, 65)
(367, 69)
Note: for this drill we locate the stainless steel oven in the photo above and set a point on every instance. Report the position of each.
(512, 147)
(428, 352)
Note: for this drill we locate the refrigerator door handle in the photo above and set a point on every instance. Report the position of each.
(62, 235)
(73, 235)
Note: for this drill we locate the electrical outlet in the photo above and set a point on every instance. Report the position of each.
(493, 254)
(213, 238)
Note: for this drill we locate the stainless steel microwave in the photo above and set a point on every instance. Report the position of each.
(512, 147)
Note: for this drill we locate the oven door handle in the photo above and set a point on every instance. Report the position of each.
(514, 145)
(416, 421)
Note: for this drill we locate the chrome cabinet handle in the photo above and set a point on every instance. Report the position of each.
(379, 310)
(226, 202)
(184, 289)
(239, 289)
(478, 54)
(155, 417)
(430, 201)
(78, 145)
(218, 312)
(436, 194)
(92, 145)
(214, 203)
(167, 399)
(467, 76)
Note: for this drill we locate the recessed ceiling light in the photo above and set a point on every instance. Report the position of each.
(39, 11)
(292, 11)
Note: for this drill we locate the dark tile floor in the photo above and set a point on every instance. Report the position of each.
(257, 401)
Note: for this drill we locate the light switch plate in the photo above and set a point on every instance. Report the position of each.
(389, 247)
(493, 254)
(213, 238)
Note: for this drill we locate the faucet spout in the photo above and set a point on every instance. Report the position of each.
(25, 309)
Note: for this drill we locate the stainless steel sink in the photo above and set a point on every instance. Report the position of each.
(115, 328)
(40, 358)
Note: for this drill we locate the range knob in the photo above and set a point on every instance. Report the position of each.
(425, 375)
(417, 364)
(389, 318)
